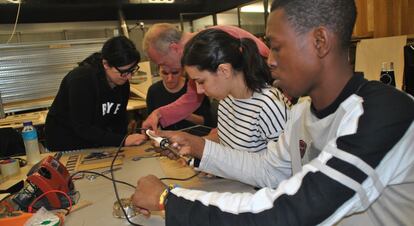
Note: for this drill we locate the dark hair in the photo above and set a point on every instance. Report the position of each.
(337, 15)
(117, 51)
(212, 47)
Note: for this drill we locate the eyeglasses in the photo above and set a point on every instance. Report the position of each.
(128, 71)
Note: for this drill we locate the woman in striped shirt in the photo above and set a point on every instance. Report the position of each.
(251, 112)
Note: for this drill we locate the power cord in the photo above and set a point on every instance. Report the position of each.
(128, 184)
(114, 183)
(180, 179)
(15, 23)
(30, 208)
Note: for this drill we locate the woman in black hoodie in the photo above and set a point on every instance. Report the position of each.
(89, 109)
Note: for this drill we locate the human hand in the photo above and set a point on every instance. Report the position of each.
(135, 139)
(213, 136)
(152, 121)
(132, 125)
(162, 152)
(184, 143)
(147, 194)
(165, 150)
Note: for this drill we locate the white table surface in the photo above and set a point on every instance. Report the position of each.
(100, 192)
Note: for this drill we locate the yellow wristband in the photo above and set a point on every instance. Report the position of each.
(163, 196)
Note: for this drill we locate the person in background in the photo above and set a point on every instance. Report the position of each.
(352, 154)
(250, 112)
(172, 86)
(164, 45)
(89, 109)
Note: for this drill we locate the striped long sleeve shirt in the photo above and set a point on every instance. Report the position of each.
(249, 124)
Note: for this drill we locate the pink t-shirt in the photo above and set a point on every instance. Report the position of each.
(190, 101)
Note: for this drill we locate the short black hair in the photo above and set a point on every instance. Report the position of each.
(212, 47)
(117, 51)
(120, 51)
(337, 15)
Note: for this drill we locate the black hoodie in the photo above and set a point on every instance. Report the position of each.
(86, 112)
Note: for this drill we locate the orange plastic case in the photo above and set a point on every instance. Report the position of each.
(17, 218)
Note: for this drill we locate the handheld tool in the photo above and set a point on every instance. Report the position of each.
(163, 142)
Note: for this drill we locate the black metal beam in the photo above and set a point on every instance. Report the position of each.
(43, 11)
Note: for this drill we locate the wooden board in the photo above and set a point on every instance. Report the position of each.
(142, 88)
(370, 54)
(39, 117)
(16, 121)
(75, 161)
(28, 104)
(178, 169)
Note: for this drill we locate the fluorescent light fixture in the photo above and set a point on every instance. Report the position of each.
(14, 1)
(151, 1)
(161, 1)
(253, 8)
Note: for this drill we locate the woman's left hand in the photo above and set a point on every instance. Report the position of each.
(135, 139)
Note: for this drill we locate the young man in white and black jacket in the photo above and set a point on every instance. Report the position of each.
(89, 109)
(350, 148)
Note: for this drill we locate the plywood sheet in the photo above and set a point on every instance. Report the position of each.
(142, 88)
(76, 160)
(370, 53)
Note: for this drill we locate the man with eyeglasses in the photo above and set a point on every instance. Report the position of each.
(89, 109)
(172, 86)
(164, 45)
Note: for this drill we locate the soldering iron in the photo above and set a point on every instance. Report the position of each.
(163, 142)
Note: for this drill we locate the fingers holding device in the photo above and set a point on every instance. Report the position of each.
(163, 142)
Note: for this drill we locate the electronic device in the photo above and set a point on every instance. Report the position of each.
(198, 130)
(51, 177)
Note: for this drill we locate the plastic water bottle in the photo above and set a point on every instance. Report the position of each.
(31, 143)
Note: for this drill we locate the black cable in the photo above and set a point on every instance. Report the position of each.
(103, 175)
(114, 183)
(181, 179)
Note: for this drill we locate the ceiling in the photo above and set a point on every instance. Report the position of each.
(44, 11)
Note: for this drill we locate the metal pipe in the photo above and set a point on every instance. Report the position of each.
(182, 21)
(122, 24)
(266, 12)
(2, 114)
(238, 17)
(214, 19)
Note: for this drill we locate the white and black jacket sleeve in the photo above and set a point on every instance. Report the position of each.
(385, 142)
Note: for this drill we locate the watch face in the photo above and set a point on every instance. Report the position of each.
(386, 78)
